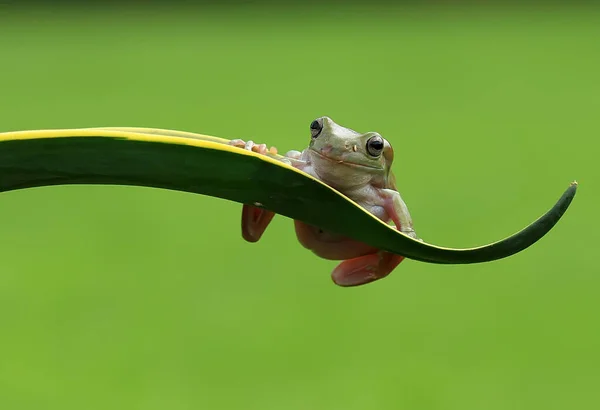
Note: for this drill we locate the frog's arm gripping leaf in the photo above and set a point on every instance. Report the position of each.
(206, 165)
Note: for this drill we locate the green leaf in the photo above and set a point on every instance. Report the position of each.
(207, 165)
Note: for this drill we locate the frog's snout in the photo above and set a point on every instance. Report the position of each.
(326, 149)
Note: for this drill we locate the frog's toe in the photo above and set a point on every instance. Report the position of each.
(238, 143)
(247, 145)
(260, 148)
(412, 234)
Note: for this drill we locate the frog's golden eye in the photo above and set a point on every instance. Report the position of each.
(375, 146)
(316, 127)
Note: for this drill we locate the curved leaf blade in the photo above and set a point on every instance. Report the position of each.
(202, 164)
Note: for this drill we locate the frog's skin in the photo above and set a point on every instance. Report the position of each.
(359, 166)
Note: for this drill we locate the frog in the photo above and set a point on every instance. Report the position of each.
(359, 165)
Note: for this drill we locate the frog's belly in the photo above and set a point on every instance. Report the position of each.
(328, 245)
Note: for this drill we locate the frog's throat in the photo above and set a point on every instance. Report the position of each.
(342, 162)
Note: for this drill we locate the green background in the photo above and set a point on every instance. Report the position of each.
(134, 298)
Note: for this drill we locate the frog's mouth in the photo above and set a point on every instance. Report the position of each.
(342, 162)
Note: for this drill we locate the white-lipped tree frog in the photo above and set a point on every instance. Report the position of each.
(359, 166)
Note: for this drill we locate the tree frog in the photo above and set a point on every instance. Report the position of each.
(359, 166)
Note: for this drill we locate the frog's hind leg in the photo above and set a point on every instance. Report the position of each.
(254, 222)
(365, 269)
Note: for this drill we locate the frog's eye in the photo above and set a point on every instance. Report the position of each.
(315, 128)
(375, 146)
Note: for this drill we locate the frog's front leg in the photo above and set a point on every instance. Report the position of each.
(255, 220)
(398, 212)
(293, 158)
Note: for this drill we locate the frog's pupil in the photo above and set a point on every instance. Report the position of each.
(375, 146)
(315, 125)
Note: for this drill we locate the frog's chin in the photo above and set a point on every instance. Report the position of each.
(342, 162)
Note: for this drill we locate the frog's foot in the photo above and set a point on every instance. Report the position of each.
(365, 269)
(254, 222)
(252, 146)
(293, 154)
(411, 232)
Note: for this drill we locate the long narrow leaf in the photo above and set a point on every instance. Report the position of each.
(206, 165)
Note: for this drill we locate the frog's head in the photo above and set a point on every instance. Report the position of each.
(340, 154)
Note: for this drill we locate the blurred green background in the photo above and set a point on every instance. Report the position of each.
(134, 298)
